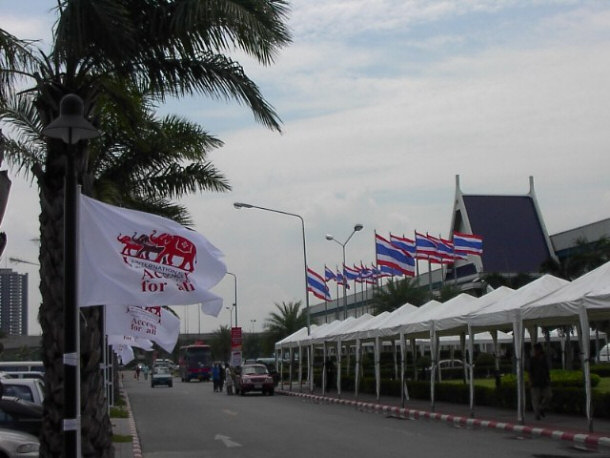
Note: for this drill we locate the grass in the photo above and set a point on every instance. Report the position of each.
(118, 412)
(122, 438)
(603, 387)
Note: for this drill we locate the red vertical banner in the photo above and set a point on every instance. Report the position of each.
(236, 341)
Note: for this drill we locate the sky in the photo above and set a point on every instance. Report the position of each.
(383, 103)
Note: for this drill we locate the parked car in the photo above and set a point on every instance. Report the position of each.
(21, 415)
(18, 444)
(28, 389)
(161, 375)
(25, 374)
(270, 364)
(254, 377)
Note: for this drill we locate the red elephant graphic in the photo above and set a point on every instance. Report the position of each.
(175, 246)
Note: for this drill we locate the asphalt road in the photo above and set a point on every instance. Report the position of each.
(190, 420)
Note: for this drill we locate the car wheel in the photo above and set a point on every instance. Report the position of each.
(170, 384)
(271, 392)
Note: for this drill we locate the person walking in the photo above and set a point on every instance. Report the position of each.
(540, 382)
(216, 376)
(229, 380)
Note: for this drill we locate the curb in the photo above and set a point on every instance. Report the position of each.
(135, 439)
(589, 440)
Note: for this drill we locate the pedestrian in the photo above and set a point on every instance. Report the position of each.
(145, 371)
(216, 376)
(137, 374)
(229, 380)
(221, 381)
(540, 382)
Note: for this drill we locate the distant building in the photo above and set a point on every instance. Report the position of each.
(13, 302)
(515, 241)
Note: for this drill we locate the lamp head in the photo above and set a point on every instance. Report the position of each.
(239, 205)
(358, 227)
(71, 125)
(329, 237)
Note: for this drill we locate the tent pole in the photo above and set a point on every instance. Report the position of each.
(585, 344)
(339, 345)
(471, 368)
(357, 370)
(377, 368)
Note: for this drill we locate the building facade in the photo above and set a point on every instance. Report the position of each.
(13, 302)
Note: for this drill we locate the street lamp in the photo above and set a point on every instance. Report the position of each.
(71, 127)
(234, 303)
(239, 205)
(357, 228)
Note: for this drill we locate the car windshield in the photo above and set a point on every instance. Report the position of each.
(161, 370)
(253, 370)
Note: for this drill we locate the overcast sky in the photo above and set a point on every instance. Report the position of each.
(383, 103)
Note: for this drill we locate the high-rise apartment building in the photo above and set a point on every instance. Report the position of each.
(13, 302)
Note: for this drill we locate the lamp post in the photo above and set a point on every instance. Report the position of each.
(239, 205)
(357, 227)
(71, 127)
(235, 295)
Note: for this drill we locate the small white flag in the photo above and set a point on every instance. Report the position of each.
(137, 342)
(124, 352)
(131, 257)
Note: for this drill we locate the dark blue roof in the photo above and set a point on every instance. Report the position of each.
(513, 238)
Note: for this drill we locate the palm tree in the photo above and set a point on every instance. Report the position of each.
(221, 344)
(288, 319)
(396, 293)
(112, 54)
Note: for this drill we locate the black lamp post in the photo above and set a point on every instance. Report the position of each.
(71, 127)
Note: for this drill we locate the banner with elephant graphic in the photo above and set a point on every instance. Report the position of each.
(128, 257)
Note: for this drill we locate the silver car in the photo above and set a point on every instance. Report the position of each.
(17, 444)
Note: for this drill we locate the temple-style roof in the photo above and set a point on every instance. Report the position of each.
(515, 239)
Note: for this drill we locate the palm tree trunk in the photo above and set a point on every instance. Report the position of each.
(96, 429)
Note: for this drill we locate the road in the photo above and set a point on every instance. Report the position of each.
(190, 420)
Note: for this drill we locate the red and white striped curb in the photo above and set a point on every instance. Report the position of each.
(590, 440)
(135, 440)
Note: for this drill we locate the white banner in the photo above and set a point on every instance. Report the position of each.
(152, 323)
(131, 257)
(144, 344)
(125, 352)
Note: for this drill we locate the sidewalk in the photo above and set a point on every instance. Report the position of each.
(563, 427)
(126, 427)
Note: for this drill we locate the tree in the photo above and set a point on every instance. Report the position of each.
(221, 344)
(583, 258)
(113, 54)
(396, 293)
(288, 319)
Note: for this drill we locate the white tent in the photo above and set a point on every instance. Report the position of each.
(587, 295)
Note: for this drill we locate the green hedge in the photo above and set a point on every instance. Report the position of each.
(566, 399)
(559, 378)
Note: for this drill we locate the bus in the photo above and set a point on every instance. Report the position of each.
(195, 362)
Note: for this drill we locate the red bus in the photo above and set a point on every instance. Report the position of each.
(195, 362)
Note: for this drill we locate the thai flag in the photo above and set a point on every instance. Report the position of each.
(444, 251)
(350, 274)
(425, 247)
(329, 274)
(341, 280)
(393, 257)
(468, 243)
(387, 271)
(317, 286)
(404, 244)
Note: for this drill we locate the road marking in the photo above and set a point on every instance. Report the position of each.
(230, 412)
(227, 441)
